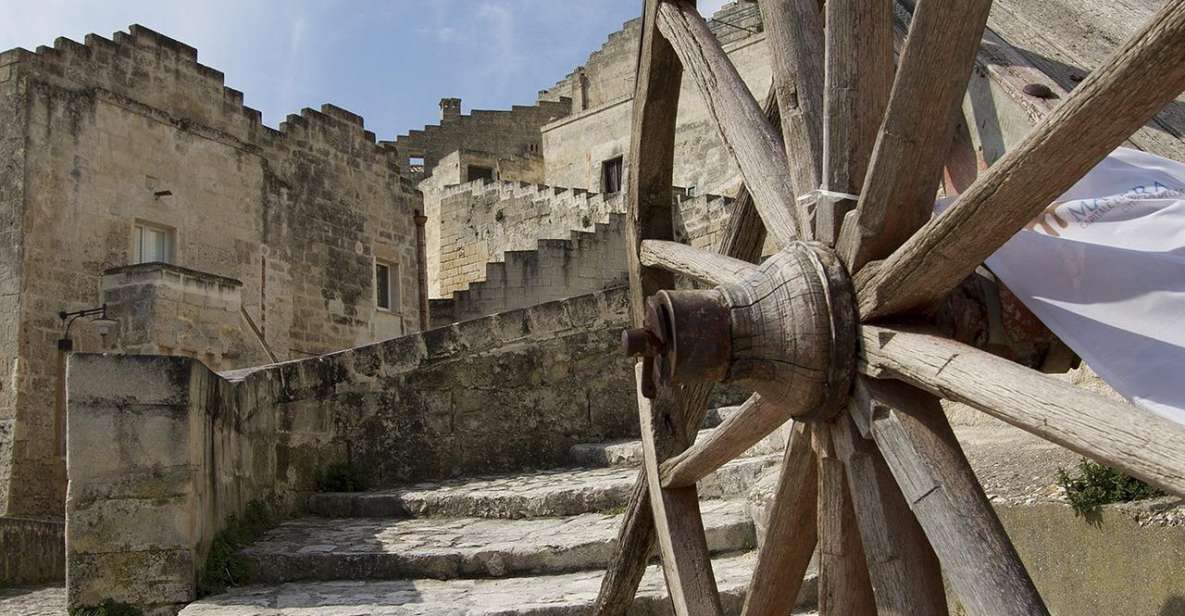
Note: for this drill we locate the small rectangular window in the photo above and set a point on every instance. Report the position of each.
(475, 172)
(611, 176)
(384, 281)
(152, 244)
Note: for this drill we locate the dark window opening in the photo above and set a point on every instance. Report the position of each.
(475, 172)
(382, 282)
(611, 176)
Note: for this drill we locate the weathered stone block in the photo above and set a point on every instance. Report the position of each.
(148, 578)
(154, 380)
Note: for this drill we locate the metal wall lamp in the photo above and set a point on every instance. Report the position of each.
(102, 323)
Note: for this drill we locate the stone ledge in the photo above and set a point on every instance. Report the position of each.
(145, 268)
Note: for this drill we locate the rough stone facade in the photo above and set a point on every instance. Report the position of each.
(454, 170)
(501, 393)
(564, 191)
(99, 138)
(505, 134)
(575, 147)
(505, 245)
(480, 221)
(170, 310)
(584, 262)
(31, 552)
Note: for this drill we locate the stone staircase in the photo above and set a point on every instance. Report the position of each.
(530, 543)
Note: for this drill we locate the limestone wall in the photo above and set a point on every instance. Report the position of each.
(506, 134)
(114, 133)
(480, 221)
(452, 170)
(169, 310)
(12, 205)
(167, 442)
(554, 234)
(608, 73)
(575, 147)
(554, 269)
(31, 551)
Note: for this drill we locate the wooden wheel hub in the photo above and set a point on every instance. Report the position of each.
(787, 330)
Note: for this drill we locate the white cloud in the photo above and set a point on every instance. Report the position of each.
(709, 7)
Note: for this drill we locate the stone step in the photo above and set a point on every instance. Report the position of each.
(447, 548)
(629, 452)
(568, 594)
(547, 493)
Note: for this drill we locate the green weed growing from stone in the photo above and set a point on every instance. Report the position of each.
(110, 607)
(224, 567)
(342, 477)
(1098, 485)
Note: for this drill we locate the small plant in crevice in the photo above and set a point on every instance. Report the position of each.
(224, 567)
(108, 607)
(1096, 485)
(499, 216)
(342, 477)
(586, 222)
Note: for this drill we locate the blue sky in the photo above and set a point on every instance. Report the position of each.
(387, 61)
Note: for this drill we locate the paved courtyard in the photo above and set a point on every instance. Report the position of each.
(39, 601)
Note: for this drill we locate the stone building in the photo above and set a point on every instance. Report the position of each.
(131, 176)
(135, 179)
(504, 233)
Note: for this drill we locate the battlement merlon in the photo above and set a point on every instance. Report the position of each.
(159, 72)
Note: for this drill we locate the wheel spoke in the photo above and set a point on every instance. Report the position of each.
(755, 420)
(791, 535)
(1114, 101)
(1119, 434)
(681, 539)
(929, 466)
(650, 198)
(794, 36)
(859, 77)
(903, 176)
(703, 265)
(743, 127)
(844, 587)
(904, 571)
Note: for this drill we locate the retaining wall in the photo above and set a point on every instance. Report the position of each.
(178, 448)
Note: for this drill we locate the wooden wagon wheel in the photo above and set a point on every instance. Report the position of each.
(873, 473)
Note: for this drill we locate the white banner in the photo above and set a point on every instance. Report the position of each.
(1104, 269)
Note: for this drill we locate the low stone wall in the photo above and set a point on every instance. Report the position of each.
(31, 551)
(1125, 560)
(161, 450)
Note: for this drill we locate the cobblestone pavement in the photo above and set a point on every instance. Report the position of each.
(39, 601)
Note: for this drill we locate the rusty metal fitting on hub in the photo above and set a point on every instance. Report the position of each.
(788, 332)
(684, 338)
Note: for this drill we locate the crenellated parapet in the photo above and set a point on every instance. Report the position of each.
(161, 73)
(501, 133)
(608, 73)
